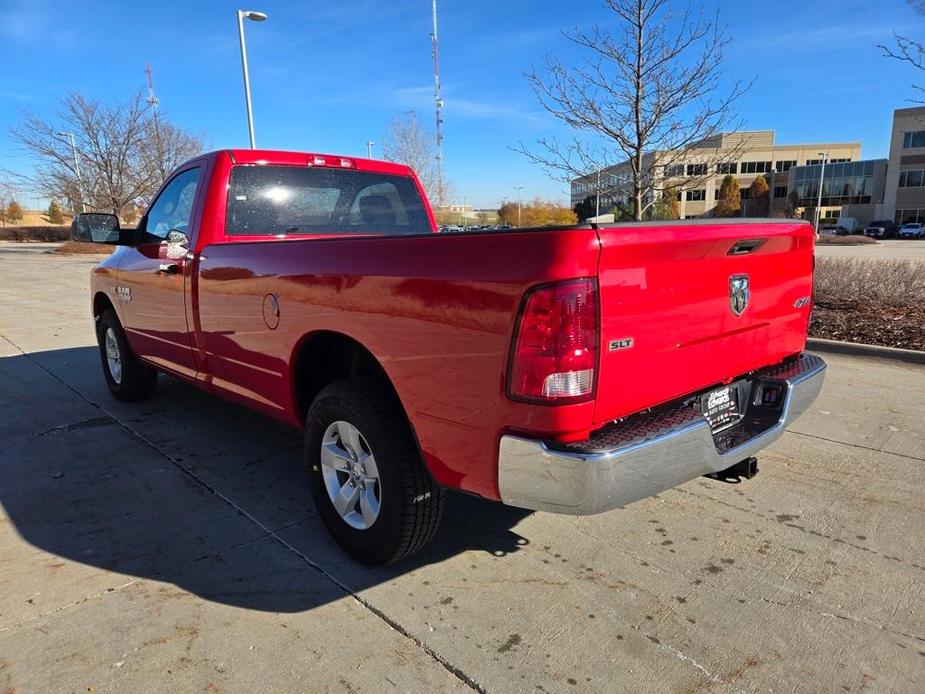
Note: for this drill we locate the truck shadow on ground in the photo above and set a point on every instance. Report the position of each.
(189, 490)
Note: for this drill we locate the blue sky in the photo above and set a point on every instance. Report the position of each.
(330, 76)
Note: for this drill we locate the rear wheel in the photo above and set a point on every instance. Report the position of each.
(126, 376)
(368, 481)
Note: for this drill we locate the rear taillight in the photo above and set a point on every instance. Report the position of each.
(554, 356)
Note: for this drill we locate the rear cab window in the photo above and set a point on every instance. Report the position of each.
(272, 200)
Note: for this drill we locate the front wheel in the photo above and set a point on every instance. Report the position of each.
(126, 377)
(368, 481)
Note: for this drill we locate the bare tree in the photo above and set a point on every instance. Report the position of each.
(123, 153)
(908, 50)
(412, 144)
(646, 93)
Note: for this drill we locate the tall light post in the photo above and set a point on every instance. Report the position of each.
(80, 192)
(254, 17)
(518, 189)
(597, 197)
(369, 149)
(824, 155)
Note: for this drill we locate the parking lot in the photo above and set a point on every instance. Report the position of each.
(172, 545)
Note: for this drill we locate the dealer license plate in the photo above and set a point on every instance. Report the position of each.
(720, 407)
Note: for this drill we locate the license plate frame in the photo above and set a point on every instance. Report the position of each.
(720, 407)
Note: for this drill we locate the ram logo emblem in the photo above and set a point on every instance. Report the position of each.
(739, 294)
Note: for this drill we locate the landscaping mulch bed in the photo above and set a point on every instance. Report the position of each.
(890, 325)
(81, 248)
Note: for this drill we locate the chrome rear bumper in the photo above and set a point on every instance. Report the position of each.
(649, 453)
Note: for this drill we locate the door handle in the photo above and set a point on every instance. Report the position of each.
(168, 268)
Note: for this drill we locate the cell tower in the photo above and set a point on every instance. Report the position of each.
(438, 109)
(152, 99)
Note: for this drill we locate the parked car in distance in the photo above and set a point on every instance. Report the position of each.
(829, 229)
(881, 229)
(566, 369)
(912, 230)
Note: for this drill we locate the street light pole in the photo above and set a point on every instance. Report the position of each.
(80, 192)
(597, 197)
(254, 17)
(518, 189)
(824, 155)
(369, 149)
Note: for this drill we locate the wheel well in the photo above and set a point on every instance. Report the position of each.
(100, 303)
(326, 357)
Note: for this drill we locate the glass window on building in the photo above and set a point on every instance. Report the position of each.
(729, 167)
(914, 138)
(698, 194)
(756, 167)
(785, 164)
(696, 169)
(908, 216)
(912, 179)
(780, 191)
(674, 170)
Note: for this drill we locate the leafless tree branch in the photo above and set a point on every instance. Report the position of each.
(124, 152)
(647, 92)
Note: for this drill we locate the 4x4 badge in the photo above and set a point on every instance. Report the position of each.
(739, 294)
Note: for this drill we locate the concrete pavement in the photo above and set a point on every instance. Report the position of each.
(173, 544)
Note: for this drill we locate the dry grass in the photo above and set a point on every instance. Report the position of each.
(849, 280)
(854, 240)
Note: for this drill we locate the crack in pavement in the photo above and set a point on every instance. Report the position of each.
(69, 605)
(268, 532)
(856, 445)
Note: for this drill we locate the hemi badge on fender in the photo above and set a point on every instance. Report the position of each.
(615, 345)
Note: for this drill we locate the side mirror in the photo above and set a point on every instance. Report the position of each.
(96, 227)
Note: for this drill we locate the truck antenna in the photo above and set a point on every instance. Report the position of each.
(438, 108)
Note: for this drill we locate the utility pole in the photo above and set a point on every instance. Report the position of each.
(369, 149)
(80, 192)
(518, 189)
(152, 100)
(438, 109)
(824, 155)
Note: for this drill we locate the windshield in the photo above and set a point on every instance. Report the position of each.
(279, 200)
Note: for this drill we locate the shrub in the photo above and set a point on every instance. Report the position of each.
(832, 240)
(841, 281)
(59, 233)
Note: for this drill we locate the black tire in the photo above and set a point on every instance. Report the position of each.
(137, 381)
(411, 504)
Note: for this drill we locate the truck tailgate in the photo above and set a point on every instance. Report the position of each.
(669, 323)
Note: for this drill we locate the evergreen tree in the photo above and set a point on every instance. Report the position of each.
(54, 214)
(759, 194)
(729, 201)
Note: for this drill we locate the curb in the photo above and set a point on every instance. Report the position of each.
(859, 349)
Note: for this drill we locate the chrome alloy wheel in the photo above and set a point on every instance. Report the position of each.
(350, 475)
(113, 357)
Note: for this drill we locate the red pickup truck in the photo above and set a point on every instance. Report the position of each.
(571, 370)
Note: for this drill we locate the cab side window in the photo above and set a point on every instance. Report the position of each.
(173, 208)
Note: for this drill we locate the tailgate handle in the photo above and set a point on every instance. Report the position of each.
(746, 246)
